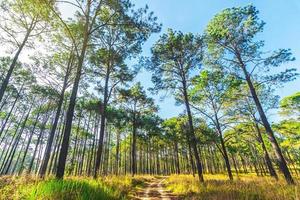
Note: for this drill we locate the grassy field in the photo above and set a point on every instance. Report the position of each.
(70, 188)
(218, 187)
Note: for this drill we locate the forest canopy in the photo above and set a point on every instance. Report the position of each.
(74, 107)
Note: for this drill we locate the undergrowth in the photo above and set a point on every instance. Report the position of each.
(218, 187)
(71, 188)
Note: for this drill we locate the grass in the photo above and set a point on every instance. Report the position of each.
(71, 188)
(246, 187)
(216, 187)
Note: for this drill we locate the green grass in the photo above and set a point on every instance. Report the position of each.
(70, 189)
(217, 187)
(73, 188)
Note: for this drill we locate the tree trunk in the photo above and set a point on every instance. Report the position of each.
(11, 109)
(224, 151)
(191, 135)
(8, 145)
(14, 61)
(117, 152)
(47, 153)
(177, 158)
(37, 144)
(7, 163)
(133, 149)
(102, 124)
(70, 113)
(234, 164)
(226, 158)
(29, 141)
(281, 161)
(266, 154)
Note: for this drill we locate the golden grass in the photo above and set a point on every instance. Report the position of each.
(218, 187)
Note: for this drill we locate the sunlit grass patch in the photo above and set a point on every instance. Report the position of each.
(70, 189)
(73, 188)
(248, 187)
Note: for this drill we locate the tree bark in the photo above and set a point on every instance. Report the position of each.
(37, 144)
(266, 154)
(102, 124)
(14, 61)
(191, 135)
(11, 109)
(281, 161)
(117, 153)
(70, 113)
(133, 148)
(47, 153)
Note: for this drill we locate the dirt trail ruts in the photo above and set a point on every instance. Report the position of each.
(155, 190)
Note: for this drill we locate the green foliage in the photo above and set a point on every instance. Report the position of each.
(231, 37)
(238, 25)
(211, 93)
(137, 102)
(240, 139)
(174, 127)
(174, 56)
(290, 105)
(290, 129)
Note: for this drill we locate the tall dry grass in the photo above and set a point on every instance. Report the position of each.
(218, 187)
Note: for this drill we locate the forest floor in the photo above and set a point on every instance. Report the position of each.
(244, 187)
(146, 187)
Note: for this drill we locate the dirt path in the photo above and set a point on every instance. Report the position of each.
(155, 190)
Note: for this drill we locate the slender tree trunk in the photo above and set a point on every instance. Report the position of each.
(266, 154)
(191, 135)
(85, 141)
(69, 118)
(133, 149)
(47, 153)
(70, 113)
(8, 162)
(19, 156)
(5, 100)
(117, 152)
(29, 141)
(281, 161)
(54, 165)
(55, 146)
(235, 165)
(37, 144)
(11, 109)
(177, 158)
(224, 151)
(92, 160)
(11, 142)
(102, 123)
(14, 61)
(191, 160)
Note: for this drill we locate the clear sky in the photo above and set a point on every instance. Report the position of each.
(282, 30)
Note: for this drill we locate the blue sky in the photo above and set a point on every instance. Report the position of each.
(282, 30)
